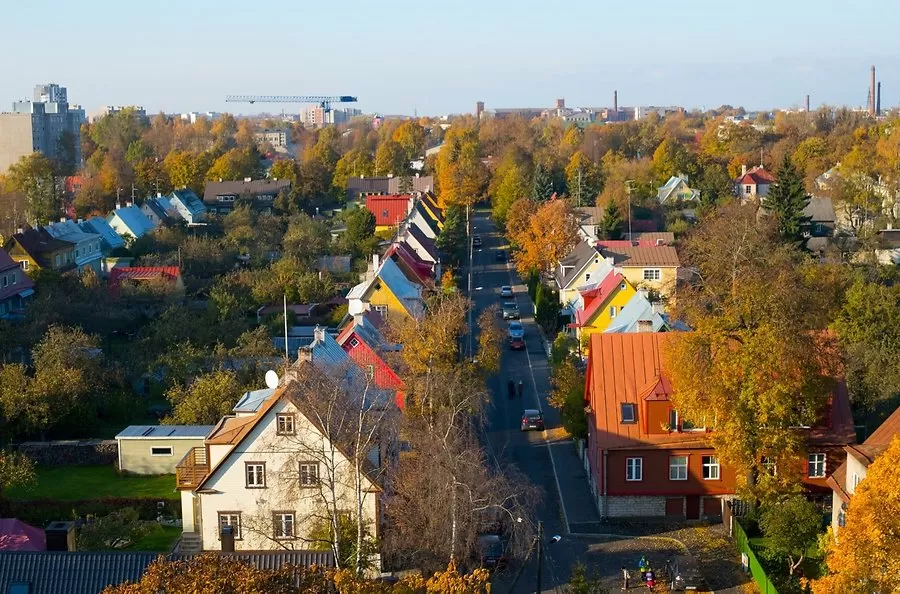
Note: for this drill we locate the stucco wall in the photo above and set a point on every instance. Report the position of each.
(135, 454)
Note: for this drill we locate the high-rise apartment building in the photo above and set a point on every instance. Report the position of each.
(42, 125)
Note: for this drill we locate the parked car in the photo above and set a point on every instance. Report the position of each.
(500, 256)
(491, 551)
(532, 420)
(510, 310)
(516, 330)
(506, 291)
(476, 241)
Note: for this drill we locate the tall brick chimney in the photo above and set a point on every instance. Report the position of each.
(878, 100)
(872, 93)
(615, 117)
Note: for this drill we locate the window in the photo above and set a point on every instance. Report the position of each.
(381, 309)
(285, 424)
(622, 286)
(842, 515)
(634, 469)
(161, 451)
(628, 413)
(587, 277)
(652, 274)
(370, 372)
(816, 466)
(856, 481)
(309, 474)
(612, 311)
(256, 474)
(770, 466)
(384, 214)
(5, 280)
(57, 260)
(673, 420)
(748, 189)
(232, 519)
(24, 264)
(678, 468)
(284, 524)
(354, 342)
(710, 468)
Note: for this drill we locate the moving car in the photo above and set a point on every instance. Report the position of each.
(476, 241)
(516, 336)
(510, 310)
(506, 291)
(532, 420)
(491, 551)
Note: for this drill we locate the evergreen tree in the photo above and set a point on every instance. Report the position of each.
(611, 225)
(541, 184)
(786, 200)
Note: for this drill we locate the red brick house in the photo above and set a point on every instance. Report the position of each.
(364, 343)
(644, 460)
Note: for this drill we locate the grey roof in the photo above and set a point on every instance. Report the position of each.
(251, 401)
(108, 236)
(339, 264)
(386, 185)
(820, 209)
(426, 242)
(69, 230)
(637, 309)
(165, 431)
(189, 201)
(132, 217)
(91, 572)
(589, 215)
(571, 266)
(243, 188)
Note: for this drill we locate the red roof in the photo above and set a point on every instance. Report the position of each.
(420, 271)
(596, 297)
(755, 176)
(389, 209)
(16, 535)
(140, 273)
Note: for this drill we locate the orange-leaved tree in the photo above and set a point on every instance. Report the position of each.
(866, 555)
(549, 236)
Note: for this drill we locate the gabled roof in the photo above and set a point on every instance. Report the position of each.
(134, 220)
(334, 264)
(417, 271)
(426, 242)
(189, 200)
(656, 237)
(16, 535)
(569, 268)
(820, 209)
(663, 256)
(589, 215)
(636, 310)
(879, 441)
(69, 230)
(160, 206)
(426, 218)
(252, 400)
(429, 201)
(389, 210)
(754, 176)
(664, 192)
(108, 236)
(37, 243)
(388, 184)
(243, 188)
(595, 297)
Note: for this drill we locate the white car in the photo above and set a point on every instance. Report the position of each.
(506, 291)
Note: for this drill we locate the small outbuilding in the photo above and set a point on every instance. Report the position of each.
(157, 449)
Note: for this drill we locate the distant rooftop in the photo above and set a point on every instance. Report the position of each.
(165, 432)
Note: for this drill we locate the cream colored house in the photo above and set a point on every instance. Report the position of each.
(156, 449)
(654, 268)
(271, 473)
(585, 265)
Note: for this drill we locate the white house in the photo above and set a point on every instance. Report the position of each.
(188, 206)
(677, 190)
(129, 221)
(753, 183)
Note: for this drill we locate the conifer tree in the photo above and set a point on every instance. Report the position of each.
(786, 201)
(611, 225)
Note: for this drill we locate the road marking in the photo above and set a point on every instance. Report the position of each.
(562, 504)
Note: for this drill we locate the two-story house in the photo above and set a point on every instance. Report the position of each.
(599, 304)
(753, 184)
(677, 190)
(221, 196)
(88, 253)
(583, 266)
(651, 267)
(643, 459)
(129, 222)
(387, 292)
(16, 287)
(365, 344)
(35, 249)
(852, 471)
(188, 206)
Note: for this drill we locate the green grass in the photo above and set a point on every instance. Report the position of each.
(71, 483)
(158, 539)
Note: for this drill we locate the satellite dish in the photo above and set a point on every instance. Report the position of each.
(272, 379)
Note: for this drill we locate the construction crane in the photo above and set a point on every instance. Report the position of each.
(324, 102)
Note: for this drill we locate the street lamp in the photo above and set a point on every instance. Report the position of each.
(538, 545)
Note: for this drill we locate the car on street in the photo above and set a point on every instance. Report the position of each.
(500, 256)
(510, 310)
(476, 241)
(491, 551)
(516, 336)
(506, 291)
(532, 420)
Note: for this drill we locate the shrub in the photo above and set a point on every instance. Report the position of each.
(40, 512)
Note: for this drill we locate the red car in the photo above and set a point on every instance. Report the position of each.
(517, 344)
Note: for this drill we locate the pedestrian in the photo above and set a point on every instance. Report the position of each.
(625, 576)
(651, 579)
(520, 388)
(512, 389)
(642, 564)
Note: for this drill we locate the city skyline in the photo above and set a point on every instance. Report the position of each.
(404, 58)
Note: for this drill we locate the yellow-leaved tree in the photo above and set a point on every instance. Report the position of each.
(549, 236)
(866, 555)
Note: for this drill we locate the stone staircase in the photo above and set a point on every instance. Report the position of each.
(189, 544)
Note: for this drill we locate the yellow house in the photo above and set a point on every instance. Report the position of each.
(35, 249)
(602, 303)
(654, 268)
(432, 209)
(388, 292)
(583, 266)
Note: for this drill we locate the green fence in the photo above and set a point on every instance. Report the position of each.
(756, 569)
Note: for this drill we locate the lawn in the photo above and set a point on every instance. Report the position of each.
(71, 483)
(158, 539)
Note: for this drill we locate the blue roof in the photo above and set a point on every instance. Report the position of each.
(108, 236)
(190, 202)
(251, 401)
(331, 359)
(409, 293)
(637, 309)
(165, 431)
(132, 217)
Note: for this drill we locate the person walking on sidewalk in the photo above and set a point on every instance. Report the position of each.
(625, 578)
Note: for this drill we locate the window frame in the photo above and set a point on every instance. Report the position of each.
(278, 521)
(810, 464)
(239, 533)
(308, 484)
(247, 466)
(284, 417)
(677, 467)
(711, 463)
(769, 466)
(612, 312)
(170, 448)
(633, 408)
(380, 309)
(655, 274)
(632, 464)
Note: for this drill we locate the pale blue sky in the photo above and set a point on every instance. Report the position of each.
(438, 57)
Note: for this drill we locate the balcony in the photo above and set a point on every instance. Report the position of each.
(192, 469)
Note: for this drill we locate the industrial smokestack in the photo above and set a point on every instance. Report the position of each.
(615, 105)
(872, 93)
(878, 100)
(479, 109)
(807, 104)
(560, 104)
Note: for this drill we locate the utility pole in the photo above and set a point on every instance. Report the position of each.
(629, 185)
(540, 546)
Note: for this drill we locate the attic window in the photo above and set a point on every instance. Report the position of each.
(384, 213)
(628, 413)
(354, 342)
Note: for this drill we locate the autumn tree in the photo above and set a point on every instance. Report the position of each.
(567, 396)
(461, 176)
(34, 175)
(671, 158)
(511, 184)
(584, 180)
(863, 557)
(410, 137)
(235, 164)
(208, 398)
(786, 201)
(791, 526)
(519, 218)
(757, 364)
(541, 184)
(15, 470)
(355, 163)
(390, 159)
(551, 233)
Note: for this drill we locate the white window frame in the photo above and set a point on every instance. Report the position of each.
(712, 471)
(230, 518)
(634, 470)
(254, 475)
(856, 481)
(676, 468)
(170, 452)
(285, 424)
(612, 311)
(655, 274)
(284, 525)
(748, 189)
(381, 309)
(769, 466)
(354, 342)
(815, 465)
(309, 479)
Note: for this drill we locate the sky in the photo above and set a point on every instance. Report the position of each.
(434, 58)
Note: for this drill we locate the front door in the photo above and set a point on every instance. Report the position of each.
(693, 507)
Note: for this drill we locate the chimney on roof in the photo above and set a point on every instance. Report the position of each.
(159, 194)
(376, 262)
(645, 326)
(644, 293)
(227, 537)
(129, 203)
(62, 219)
(743, 170)
(319, 334)
(20, 230)
(60, 536)
(658, 307)
(304, 354)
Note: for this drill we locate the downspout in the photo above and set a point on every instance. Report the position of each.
(605, 511)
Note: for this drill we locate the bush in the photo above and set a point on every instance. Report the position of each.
(40, 512)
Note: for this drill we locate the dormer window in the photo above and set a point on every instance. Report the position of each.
(628, 413)
(354, 342)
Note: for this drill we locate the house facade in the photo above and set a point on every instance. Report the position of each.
(129, 222)
(35, 249)
(643, 459)
(222, 196)
(601, 303)
(387, 292)
(156, 449)
(88, 253)
(753, 184)
(583, 266)
(16, 287)
(651, 267)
